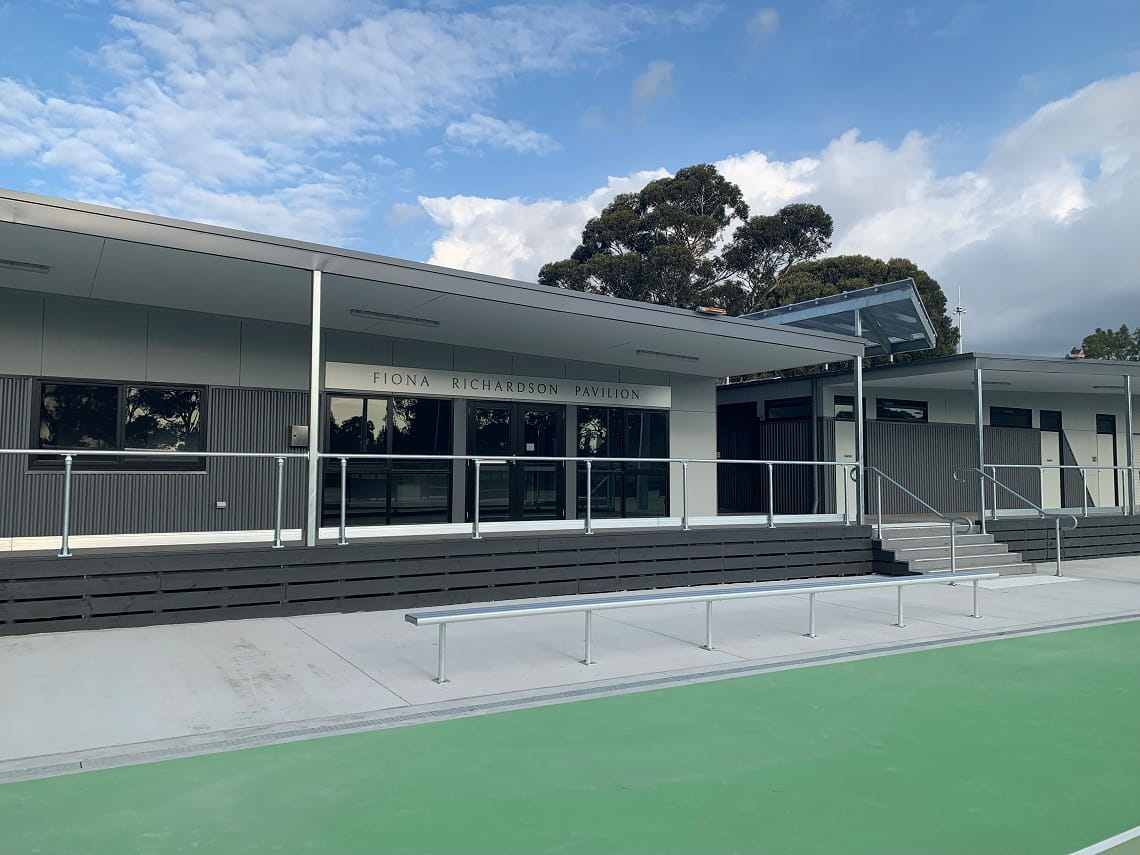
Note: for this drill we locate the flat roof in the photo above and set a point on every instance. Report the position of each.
(1000, 372)
(74, 249)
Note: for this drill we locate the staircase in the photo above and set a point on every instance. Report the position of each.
(925, 548)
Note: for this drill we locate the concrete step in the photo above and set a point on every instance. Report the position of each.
(962, 550)
(942, 530)
(967, 562)
(935, 540)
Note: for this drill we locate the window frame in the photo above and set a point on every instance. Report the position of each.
(901, 403)
(620, 472)
(794, 401)
(52, 459)
(1023, 412)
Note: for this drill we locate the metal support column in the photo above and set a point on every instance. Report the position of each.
(859, 520)
(811, 616)
(313, 495)
(708, 645)
(1129, 444)
(589, 651)
(979, 425)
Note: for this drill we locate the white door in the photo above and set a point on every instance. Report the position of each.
(1050, 478)
(1102, 482)
(845, 453)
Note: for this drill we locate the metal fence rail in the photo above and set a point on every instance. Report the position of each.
(880, 476)
(1127, 506)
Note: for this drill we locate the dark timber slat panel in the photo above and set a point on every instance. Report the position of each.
(1094, 537)
(90, 591)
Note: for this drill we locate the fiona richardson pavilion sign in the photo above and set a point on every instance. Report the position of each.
(348, 376)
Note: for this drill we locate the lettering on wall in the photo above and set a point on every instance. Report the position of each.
(347, 376)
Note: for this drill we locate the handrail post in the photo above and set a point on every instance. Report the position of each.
(879, 502)
(1057, 529)
(811, 615)
(899, 588)
(846, 470)
(589, 497)
(441, 665)
(708, 625)
(278, 543)
(993, 493)
(684, 497)
(975, 613)
(771, 497)
(1084, 493)
(589, 658)
(64, 549)
(475, 507)
(342, 540)
(953, 548)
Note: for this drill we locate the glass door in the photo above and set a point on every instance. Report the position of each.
(521, 490)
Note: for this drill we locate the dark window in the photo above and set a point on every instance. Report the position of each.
(894, 410)
(1106, 424)
(845, 408)
(630, 489)
(111, 417)
(782, 409)
(389, 491)
(1051, 420)
(1014, 417)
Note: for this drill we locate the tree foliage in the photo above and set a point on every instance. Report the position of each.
(1112, 344)
(670, 243)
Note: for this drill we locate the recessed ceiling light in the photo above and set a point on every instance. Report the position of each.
(668, 355)
(398, 319)
(23, 266)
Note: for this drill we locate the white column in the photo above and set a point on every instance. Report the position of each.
(1129, 442)
(313, 502)
(979, 423)
(859, 463)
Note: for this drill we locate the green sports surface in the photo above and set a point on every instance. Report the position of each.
(1023, 745)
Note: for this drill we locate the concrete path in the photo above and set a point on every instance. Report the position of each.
(89, 699)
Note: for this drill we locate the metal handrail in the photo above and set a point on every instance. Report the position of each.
(953, 521)
(70, 454)
(1041, 467)
(480, 460)
(1056, 517)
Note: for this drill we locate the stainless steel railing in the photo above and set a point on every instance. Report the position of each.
(1044, 514)
(69, 456)
(1128, 499)
(588, 523)
(880, 476)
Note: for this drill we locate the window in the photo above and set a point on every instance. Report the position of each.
(128, 417)
(893, 410)
(1014, 417)
(783, 409)
(845, 408)
(628, 489)
(1051, 420)
(1106, 424)
(388, 491)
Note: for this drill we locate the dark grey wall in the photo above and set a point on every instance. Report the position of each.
(131, 502)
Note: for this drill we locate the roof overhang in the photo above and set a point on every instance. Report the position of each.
(1002, 374)
(891, 316)
(86, 251)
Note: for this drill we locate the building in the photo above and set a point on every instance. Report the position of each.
(167, 355)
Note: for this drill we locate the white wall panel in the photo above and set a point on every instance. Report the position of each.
(96, 339)
(21, 332)
(187, 347)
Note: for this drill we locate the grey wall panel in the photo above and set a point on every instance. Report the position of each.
(476, 359)
(274, 356)
(129, 502)
(21, 332)
(90, 338)
(185, 347)
(638, 375)
(591, 371)
(422, 354)
(923, 458)
(342, 346)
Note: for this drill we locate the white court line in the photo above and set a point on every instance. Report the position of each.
(1105, 845)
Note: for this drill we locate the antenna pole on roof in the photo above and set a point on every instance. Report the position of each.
(960, 311)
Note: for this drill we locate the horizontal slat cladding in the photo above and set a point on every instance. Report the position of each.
(249, 420)
(43, 594)
(1094, 537)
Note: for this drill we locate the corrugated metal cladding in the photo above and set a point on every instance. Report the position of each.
(743, 488)
(923, 458)
(132, 502)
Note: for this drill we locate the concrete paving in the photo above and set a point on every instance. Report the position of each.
(84, 699)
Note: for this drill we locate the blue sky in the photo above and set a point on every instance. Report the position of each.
(978, 139)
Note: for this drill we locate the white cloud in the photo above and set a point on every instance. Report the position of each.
(763, 24)
(254, 98)
(655, 82)
(1039, 236)
(480, 130)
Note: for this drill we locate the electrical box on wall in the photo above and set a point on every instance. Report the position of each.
(299, 436)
